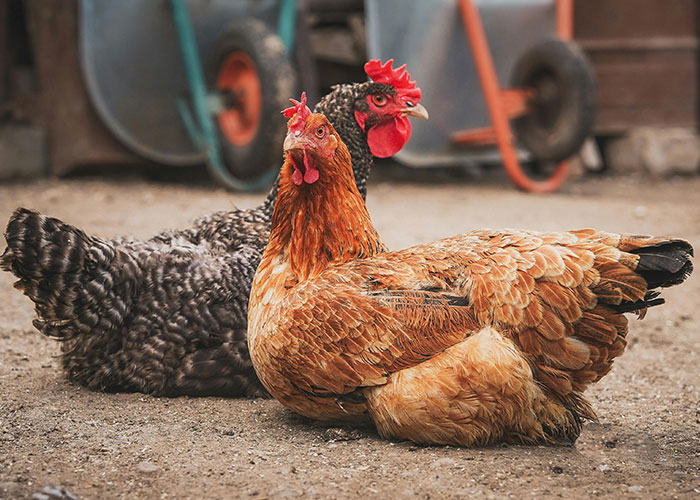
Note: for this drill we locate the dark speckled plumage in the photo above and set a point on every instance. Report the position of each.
(168, 315)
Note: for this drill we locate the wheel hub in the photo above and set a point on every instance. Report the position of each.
(239, 82)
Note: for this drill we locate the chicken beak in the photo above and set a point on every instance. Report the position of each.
(296, 141)
(416, 110)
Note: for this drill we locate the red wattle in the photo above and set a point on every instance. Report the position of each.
(387, 138)
(360, 118)
(311, 174)
(296, 176)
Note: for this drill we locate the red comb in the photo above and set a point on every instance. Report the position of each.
(398, 78)
(384, 73)
(301, 110)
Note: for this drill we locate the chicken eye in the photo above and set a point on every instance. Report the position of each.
(379, 99)
(320, 132)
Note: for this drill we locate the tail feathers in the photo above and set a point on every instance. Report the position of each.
(651, 299)
(38, 245)
(71, 277)
(665, 264)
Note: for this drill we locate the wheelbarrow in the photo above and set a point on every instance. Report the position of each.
(537, 122)
(143, 67)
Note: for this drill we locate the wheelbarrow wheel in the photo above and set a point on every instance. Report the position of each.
(561, 110)
(250, 69)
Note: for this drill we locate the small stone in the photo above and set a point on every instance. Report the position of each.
(635, 489)
(147, 467)
(54, 493)
(444, 463)
(227, 432)
(338, 434)
(604, 467)
(640, 211)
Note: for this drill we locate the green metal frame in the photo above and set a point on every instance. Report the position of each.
(202, 130)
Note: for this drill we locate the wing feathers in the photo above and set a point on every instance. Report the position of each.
(619, 283)
(569, 354)
(553, 262)
(558, 295)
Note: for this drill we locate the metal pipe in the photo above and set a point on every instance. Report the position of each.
(492, 94)
(565, 19)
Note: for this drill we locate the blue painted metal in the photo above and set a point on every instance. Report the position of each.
(286, 25)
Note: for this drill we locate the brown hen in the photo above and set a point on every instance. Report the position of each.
(483, 337)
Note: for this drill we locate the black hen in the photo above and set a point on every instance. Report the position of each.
(168, 315)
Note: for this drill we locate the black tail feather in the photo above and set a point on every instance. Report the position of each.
(66, 273)
(662, 265)
(665, 264)
(651, 299)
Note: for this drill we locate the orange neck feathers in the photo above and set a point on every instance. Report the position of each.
(323, 223)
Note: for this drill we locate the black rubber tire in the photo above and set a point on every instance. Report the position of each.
(561, 113)
(263, 152)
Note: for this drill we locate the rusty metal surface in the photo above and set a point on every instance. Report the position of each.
(75, 133)
(4, 54)
(645, 55)
(22, 151)
(605, 19)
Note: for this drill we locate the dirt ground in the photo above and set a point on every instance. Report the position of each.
(646, 443)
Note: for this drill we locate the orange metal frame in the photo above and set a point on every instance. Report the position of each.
(504, 104)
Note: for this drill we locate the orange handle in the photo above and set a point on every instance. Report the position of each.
(492, 94)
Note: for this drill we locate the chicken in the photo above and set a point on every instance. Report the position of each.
(168, 315)
(483, 337)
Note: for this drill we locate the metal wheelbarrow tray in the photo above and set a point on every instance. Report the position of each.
(141, 63)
